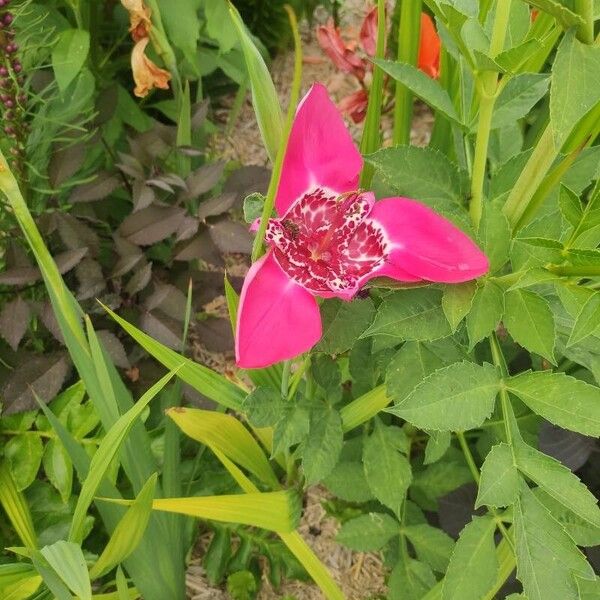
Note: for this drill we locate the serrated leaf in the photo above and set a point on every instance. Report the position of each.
(495, 235)
(530, 322)
(457, 301)
(291, 428)
(409, 315)
(473, 564)
(437, 445)
(410, 580)
(486, 311)
(499, 484)
(343, 322)
(561, 399)
(14, 321)
(387, 471)
(423, 86)
(546, 555)
(263, 406)
(150, 225)
(518, 97)
(587, 322)
(558, 482)
(570, 205)
(458, 397)
(573, 91)
(408, 367)
(566, 17)
(369, 532)
(348, 482)
(322, 448)
(421, 173)
(432, 545)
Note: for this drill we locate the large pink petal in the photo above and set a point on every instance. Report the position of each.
(277, 318)
(320, 151)
(426, 245)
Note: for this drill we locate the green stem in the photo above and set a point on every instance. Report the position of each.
(585, 9)
(285, 379)
(257, 248)
(371, 134)
(409, 34)
(487, 83)
(586, 271)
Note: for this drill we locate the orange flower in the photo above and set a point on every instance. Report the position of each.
(146, 74)
(429, 48)
(139, 19)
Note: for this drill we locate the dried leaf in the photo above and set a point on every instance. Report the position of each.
(143, 195)
(247, 180)
(115, 348)
(572, 449)
(14, 320)
(170, 300)
(20, 276)
(217, 205)
(48, 318)
(151, 225)
(65, 261)
(65, 161)
(104, 184)
(187, 229)
(161, 184)
(75, 234)
(199, 114)
(215, 334)
(139, 280)
(457, 508)
(91, 279)
(131, 166)
(231, 237)
(203, 179)
(200, 247)
(162, 328)
(44, 374)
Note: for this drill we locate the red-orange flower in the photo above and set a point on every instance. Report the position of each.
(146, 74)
(343, 56)
(355, 105)
(139, 19)
(429, 48)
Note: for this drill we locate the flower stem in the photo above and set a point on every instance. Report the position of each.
(487, 85)
(371, 134)
(409, 33)
(257, 248)
(585, 9)
(285, 379)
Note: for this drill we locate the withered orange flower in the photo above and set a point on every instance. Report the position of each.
(429, 48)
(139, 18)
(146, 74)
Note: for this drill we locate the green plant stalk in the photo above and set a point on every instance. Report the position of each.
(487, 86)
(575, 271)
(16, 508)
(365, 407)
(409, 34)
(371, 134)
(585, 32)
(257, 247)
(539, 163)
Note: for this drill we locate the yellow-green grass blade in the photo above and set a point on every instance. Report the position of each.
(16, 508)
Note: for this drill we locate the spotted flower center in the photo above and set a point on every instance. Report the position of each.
(326, 242)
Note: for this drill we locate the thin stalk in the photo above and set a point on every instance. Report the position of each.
(257, 247)
(487, 84)
(581, 271)
(585, 9)
(409, 34)
(371, 133)
(285, 379)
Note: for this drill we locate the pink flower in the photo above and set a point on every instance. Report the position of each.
(332, 238)
(368, 32)
(355, 105)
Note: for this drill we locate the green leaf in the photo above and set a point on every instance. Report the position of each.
(494, 234)
(24, 455)
(323, 445)
(219, 25)
(264, 95)
(457, 301)
(588, 590)
(573, 91)
(343, 323)
(437, 480)
(455, 398)
(369, 532)
(561, 399)
(253, 207)
(432, 545)
(263, 406)
(566, 17)
(292, 428)
(530, 322)
(518, 97)
(107, 450)
(410, 580)
(421, 85)
(546, 555)
(181, 21)
(347, 481)
(128, 533)
(558, 481)
(421, 173)
(437, 445)
(409, 315)
(486, 311)
(67, 560)
(499, 484)
(408, 367)
(69, 55)
(16, 508)
(473, 564)
(58, 468)
(570, 205)
(387, 471)
(513, 59)
(587, 322)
